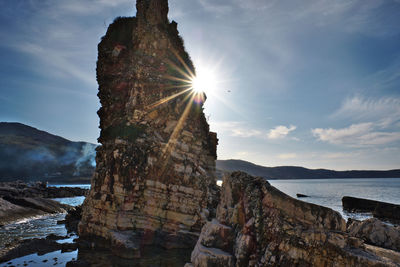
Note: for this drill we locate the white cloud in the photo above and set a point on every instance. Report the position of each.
(375, 122)
(240, 129)
(246, 132)
(356, 135)
(280, 131)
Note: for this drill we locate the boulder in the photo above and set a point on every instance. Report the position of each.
(73, 218)
(301, 195)
(376, 232)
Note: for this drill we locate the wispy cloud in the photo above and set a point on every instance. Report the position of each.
(240, 129)
(280, 131)
(356, 135)
(374, 122)
(246, 133)
(78, 7)
(53, 36)
(58, 63)
(383, 111)
(217, 7)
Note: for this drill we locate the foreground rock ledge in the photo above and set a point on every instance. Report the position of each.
(155, 174)
(257, 225)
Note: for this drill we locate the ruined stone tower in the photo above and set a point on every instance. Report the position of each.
(155, 167)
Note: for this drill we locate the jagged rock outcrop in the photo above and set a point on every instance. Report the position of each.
(382, 210)
(257, 225)
(375, 232)
(16, 208)
(154, 179)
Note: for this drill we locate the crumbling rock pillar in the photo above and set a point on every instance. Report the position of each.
(154, 180)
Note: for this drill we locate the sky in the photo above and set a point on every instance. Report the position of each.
(313, 83)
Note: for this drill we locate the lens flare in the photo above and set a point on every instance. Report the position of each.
(204, 81)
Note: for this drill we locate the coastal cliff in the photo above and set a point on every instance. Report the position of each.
(155, 184)
(155, 173)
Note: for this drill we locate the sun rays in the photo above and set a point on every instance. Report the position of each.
(188, 88)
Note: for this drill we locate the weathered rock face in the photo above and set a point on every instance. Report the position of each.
(154, 180)
(375, 232)
(257, 225)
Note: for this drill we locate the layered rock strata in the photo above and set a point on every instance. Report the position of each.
(154, 180)
(257, 225)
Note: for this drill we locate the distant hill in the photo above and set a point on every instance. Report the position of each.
(292, 172)
(27, 153)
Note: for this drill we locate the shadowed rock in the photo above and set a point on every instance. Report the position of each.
(155, 173)
(29, 246)
(301, 195)
(13, 209)
(379, 209)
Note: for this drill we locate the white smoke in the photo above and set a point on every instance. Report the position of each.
(88, 156)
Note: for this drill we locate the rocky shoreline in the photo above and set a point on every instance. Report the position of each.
(381, 210)
(255, 225)
(154, 194)
(19, 200)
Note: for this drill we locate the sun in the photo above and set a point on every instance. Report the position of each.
(204, 81)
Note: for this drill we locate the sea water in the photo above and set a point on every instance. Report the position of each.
(40, 227)
(329, 192)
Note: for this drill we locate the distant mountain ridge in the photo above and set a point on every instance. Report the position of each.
(27, 153)
(293, 172)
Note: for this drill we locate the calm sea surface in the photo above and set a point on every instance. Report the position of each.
(329, 192)
(325, 192)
